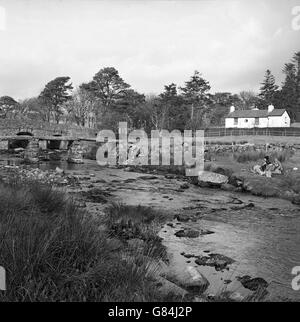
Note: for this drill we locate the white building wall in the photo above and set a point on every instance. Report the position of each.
(229, 122)
(280, 121)
(246, 123)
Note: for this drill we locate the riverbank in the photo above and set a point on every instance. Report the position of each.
(54, 251)
(199, 229)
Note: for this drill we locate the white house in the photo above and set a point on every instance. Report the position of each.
(257, 118)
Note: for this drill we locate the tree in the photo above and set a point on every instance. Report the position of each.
(221, 102)
(81, 108)
(31, 108)
(296, 61)
(128, 106)
(249, 100)
(54, 95)
(8, 106)
(170, 93)
(268, 89)
(156, 112)
(107, 86)
(195, 93)
(175, 109)
(289, 90)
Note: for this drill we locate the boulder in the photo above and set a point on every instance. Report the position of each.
(189, 278)
(211, 179)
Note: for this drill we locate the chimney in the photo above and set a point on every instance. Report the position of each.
(232, 108)
(270, 108)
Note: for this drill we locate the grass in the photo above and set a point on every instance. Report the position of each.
(53, 251)
(259, 139)
(247, 156)
(139, 223)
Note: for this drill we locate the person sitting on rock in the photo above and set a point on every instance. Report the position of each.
(263, 169)
(277, 167)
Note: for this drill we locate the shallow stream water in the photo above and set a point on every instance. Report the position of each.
(264, 240)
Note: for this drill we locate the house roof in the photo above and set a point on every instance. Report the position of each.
(249, 113)
(277, 112)
(255, 113)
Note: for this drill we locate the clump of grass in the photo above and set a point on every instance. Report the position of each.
(137, 222)
(291, 181)
(248, 156)
(53, 251)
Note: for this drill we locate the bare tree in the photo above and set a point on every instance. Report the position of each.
(81, 108)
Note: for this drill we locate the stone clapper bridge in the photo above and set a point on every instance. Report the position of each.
(35, 139)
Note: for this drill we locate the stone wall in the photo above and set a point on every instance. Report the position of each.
(229, 148)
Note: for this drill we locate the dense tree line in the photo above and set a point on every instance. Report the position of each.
(107, 99)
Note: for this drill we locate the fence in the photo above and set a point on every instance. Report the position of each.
(289, 131)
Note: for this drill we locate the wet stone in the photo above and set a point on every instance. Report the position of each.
(182, 218)
(218, 261)
(187, 233)
(253, 284)
(187, 255)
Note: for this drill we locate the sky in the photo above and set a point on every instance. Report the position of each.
(151, 43)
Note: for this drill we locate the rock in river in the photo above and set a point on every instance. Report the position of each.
(191, 233)
(182, 218)
(218, 261)
(189, 279)
(253, 284)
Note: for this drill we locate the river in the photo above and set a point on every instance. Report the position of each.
(264, 239)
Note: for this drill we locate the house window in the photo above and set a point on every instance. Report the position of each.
(256, 121)
(236, 121)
